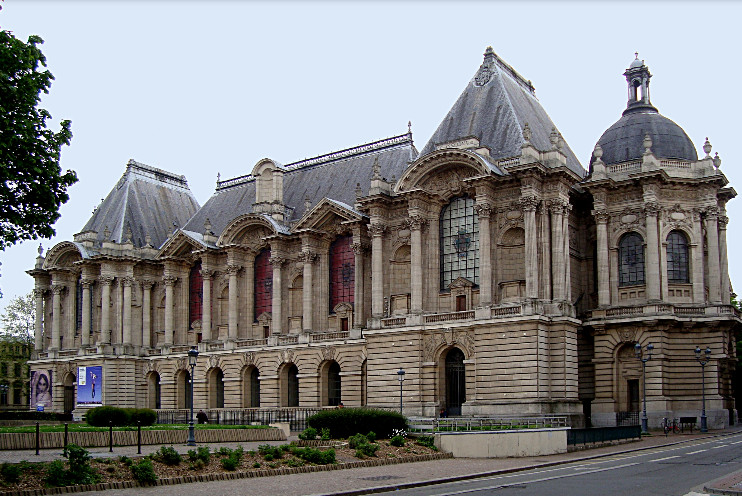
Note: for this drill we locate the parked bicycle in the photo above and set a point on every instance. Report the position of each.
(668, 426)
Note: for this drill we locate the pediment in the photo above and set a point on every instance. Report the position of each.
(180, 244)
(326, 215)
(461, 282)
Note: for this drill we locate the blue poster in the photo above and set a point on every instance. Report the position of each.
(41, 389)
(89, 385)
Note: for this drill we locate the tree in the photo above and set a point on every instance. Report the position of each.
(18, 319)
(32, 186)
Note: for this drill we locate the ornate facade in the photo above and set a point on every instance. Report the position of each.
(490, 266)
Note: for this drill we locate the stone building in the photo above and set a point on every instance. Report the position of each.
(490, 266)
(14, 355)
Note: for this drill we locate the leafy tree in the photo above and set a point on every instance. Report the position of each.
(18, 319)
(32, 186)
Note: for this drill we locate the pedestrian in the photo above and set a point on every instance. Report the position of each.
(202, 417)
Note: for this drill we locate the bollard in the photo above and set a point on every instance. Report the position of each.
(110, 436)
(64, 448)
(139, 437)
(37, 438)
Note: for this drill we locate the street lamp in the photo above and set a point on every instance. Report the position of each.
(703, 360)
(400, 378)
(192, 357)
(644, 360)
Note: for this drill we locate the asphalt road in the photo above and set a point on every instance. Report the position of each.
(663, 471)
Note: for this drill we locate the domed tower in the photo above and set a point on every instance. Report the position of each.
(659, 245)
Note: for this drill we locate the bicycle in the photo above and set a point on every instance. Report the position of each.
(670, 427)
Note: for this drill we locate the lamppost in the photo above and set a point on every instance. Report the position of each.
(192, 357)
(400, 378)
(644, 360)
(703, 360)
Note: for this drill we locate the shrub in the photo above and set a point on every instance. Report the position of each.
(427, 441)
(256, 465)
(143, 471)
(11, 473)
(345, 422)
(371, 436)
(202, 453)
(366, 449)
(126, 460)
(325, 434)
(308, 434)
(101, 416)
(146, 416)
(80, 471)
(230, 463)
(56, 475)
(197, 465)
(316, 456)
(397, 441)
(357, 440)
(275, 452)
(168, 455)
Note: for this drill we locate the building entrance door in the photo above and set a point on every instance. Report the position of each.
(633, 390)
(455, 381)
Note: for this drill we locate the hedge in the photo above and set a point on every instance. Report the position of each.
(34, 415)
(345, 422)
(103, 416)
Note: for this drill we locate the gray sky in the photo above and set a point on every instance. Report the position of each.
(198, 88)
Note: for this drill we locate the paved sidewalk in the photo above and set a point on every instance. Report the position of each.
(728, 485)
(360, 480)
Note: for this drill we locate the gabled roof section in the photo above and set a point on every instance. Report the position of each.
(306, 182)
(327, 207)
(149, 201)
(493, 108)
(182, 242)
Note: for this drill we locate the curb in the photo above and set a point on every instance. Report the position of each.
(225, 476)
(727, 491)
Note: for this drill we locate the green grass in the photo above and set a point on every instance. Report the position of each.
(156, 427)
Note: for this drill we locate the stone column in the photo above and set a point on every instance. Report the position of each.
(416, 260)
(206, 309)
(724, 262)
(38, 333)
(652, 254)
(696, 254)
(276, 315)
(249, 298)
(105, 309)
(126, 331)
(567, 256)
(308, 258)
(484, 210)
(358, 310)
(712, 242)
(604, 278)
(57, 290)
(377, 269)
(232, 270)
(147, 312)
(87, 287)
(529, 204)
(169, 282)
(557, 234)
(545, 251)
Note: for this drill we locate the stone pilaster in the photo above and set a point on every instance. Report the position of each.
(358, 309)
(567, 255)
(85, 332)
(232, 271)
(307, 257)
(105, 309)
(652, 254)
(126, 331)
(206, 276)
(38, 334)
(484, 211)
(712, 242)
(545, 244)
(417, 223)
(57, 291)
(603, 275)
(557, 238)
(277, 262)
(724, 260)
(146, 312)
(529, 204)
(169, 282)
(377, 231)
(696, 253)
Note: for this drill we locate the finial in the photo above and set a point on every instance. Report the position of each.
(148, 240)
(394, 179)
(128, 234)
(707, 148)
(207, 226)
(636, 55)
(717, 160)
(647, 144)
(553, 138)
(376, 169)
(527, 133)
(106, 233)
(175, 227)
(218, 177)
(598, 153)
(40, 250)
(307, 204)
(409, 127)
(359, 191)
(489, 53)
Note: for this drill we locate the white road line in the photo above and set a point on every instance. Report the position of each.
(694, 452)
(721, 446)
(737, 442)
(665, 458)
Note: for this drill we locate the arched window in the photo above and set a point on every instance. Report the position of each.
(342, 271)
(459, 236)
(216, 388)
(263, 283)
(153, 390)
(677, 258)
(291, 384)
(251, 387)
(333, 384)
(195, 294)
(630, 260)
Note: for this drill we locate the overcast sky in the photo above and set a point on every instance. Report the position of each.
(198, 88)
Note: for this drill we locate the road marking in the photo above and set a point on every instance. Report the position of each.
(737, 442)
(665, 458)
(721, 446)
(694, 452)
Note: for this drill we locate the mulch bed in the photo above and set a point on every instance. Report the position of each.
(115, 471)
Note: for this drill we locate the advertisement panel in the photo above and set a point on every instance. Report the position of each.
(89, 385)
(41, 389)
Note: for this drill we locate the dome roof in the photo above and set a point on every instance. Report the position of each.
(624, 140)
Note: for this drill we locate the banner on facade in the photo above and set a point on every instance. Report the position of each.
(41, 389)
(89, 385)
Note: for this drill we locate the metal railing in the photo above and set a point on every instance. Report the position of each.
(603, 434)
(466, 424)
(627, 418)
(296, 417)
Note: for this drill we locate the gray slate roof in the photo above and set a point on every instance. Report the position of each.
(494, 107)
(146, 199)
(332, 176)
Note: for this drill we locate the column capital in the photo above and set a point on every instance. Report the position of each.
(359, 248)
(377, 229)
(416, 222)
(483, 210)
(557, 205)
(277, 261)
(39, 293)
(652, 209)
(58, 289)
(601, 216)
(146, 283)
(127, 281)
(105, 280)
(712, 213)
(529, 203)
(169, 281)
(723, 221)
(233, 269)
(207, 274)
(307, 257)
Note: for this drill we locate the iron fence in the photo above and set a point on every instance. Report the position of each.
(602, 434)
(295, 417)
(627, 418)
(464, 424)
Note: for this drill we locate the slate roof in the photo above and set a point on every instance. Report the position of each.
(146, 199)
(494, 107)
(332, 176)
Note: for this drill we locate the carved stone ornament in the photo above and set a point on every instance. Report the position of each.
(627, 335)
(328, 353)
(287, 356)
(484, 74)
(652, 209)
(248, 359)
(38, 293)
(483, 210)
(529, 203)
(105, 280)
(307, 256)
(169, 280)
(146, 283)
(151, 366)
(433, 342)
(58, 289)
(215, 362)
(65, 368)
(712, 213)
(233, 269)
(277, 261)
(127, 281)
(207, 274)
(417, 222)
(181, 364)
(448, 183)
(377, 229)
(601, 216)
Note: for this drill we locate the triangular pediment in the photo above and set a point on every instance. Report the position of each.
(461, 282)
(328, 213)
(180, 244)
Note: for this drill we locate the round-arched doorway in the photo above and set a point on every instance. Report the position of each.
(455, 378)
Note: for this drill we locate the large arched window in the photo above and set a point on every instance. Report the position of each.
(630, 260)
(459, 236)
(342, 271)
(677, 258)
(195, 294)
(263, 283)
(290, 385)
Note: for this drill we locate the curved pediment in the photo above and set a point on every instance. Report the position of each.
(63, 254)
(443, 170)
(247, 230)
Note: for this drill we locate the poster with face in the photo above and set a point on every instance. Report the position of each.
(89, 385)
(41, 388)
